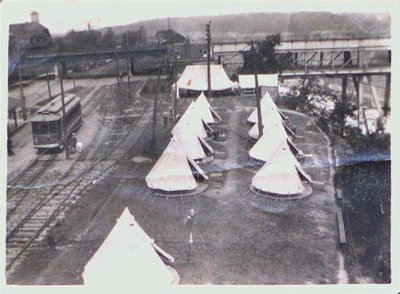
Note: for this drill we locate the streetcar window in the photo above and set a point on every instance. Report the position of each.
(53, 127)
(41, 128)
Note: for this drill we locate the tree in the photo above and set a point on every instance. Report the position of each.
(108, 40)
(262, 58)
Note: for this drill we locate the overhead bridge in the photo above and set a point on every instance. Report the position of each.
(110, 54)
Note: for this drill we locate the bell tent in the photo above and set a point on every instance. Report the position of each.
(281, 175)
(126, 258)
(207, 112)
(193, 145)
(174, 171)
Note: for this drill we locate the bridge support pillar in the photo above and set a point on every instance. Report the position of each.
(387, 95)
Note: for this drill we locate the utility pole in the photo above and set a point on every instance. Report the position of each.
(128, 69)
(175, 94)
(208, 38)
(155, 106)
(64, 131)
(258, 98)
(21, 93)
(48, 81)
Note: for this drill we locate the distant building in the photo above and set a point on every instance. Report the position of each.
(27, 38)
(29, 35)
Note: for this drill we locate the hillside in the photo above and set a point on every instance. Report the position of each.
(245, 26)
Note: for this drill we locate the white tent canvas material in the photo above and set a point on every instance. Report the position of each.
(194, 77)
(267, 104)
(194, 146)
(172, 172)
(192, 119)
(271, 124)
(280, 174)
(207, 112)
(248, 81)
(126, 258)
(265, 147)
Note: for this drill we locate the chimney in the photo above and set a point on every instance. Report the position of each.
(34, 17)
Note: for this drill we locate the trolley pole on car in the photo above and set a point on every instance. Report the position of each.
(64, 131)
(258, 98)
(208, 38)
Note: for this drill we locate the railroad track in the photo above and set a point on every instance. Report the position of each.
(28, 228)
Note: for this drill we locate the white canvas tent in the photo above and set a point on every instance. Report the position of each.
(271, 124)
(126, 258)
(265, 81)
(248, 82)
(194, 78)
(192, 118)
(207, 112)
(266, 104)
(280, 175)
(194, 146)
(174, 170)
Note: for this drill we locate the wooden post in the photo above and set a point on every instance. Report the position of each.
(387, 95)
(21, 93)
(175, 94)
(155, 106)
(117, 70)
(208, 34)
(128, 69)
(64, 131)
(48, 82)
(344, 100)
(259, 115)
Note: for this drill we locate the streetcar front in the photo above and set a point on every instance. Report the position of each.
(46, 133)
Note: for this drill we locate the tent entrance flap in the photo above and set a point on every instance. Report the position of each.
(206, 147)
(197, 170)
(215, 115)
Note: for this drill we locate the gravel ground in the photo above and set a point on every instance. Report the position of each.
(239, 238)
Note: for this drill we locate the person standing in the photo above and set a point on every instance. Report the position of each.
(72, 143)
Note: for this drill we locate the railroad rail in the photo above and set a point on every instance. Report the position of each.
(29, 224)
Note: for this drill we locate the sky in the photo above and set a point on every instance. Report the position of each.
(61, 16)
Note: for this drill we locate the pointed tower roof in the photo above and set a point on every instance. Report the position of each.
(280, 174)
(173, 170)
(126, 257)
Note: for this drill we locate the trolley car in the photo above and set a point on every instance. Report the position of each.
(48, 125)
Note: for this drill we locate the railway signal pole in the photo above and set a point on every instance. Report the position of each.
(208, 38)
(64, 131)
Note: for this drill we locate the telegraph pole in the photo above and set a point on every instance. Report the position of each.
(258, 98)
(64, 131)
(208, 38)
(21, 93)
(155, 106)
(48, 81)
